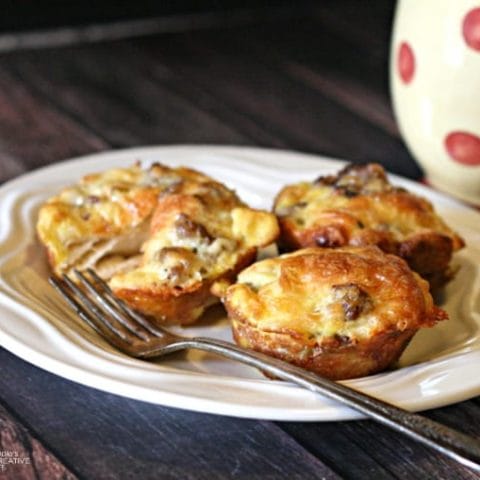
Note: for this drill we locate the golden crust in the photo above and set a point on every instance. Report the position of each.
(101, 207)
(180, 305)
(360, 207)
(342, 313)
(200, 234)
(162, 236)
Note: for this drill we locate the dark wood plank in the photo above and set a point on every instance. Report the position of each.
(104, 436)
(373, 451)
(30, 15)
(23, 457)
(211, 87)
(332, 64)
(110, 92)
(366, 24)
(254, 85)
(33, 133)
(460, 416)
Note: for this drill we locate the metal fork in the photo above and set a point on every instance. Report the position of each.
(134, 335)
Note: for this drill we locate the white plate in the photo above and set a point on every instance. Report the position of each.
(439, 367)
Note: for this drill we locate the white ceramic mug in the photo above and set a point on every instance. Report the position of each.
(435, 86)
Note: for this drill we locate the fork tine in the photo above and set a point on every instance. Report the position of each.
(113, 309)
(94, 322)
(96, 313)
(157, 331)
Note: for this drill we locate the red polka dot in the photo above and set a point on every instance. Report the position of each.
(405, 62)
(471, 29)
(463, 147)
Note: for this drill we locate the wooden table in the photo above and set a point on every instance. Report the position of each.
(313, 80)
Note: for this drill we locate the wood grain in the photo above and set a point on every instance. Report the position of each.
(33, 133)
(315, 84)
(375, 452)
(310, 54)
(275, 95)
(108, 437)
(245, 85)
(23, 457)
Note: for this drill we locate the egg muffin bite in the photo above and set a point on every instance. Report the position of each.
(341, 313)
(360, 207)
(201, 233)
(160, 236)
(102, 221)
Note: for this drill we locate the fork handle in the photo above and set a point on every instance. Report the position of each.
(456, 445)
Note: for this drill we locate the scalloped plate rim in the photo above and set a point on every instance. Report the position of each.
(313, 410)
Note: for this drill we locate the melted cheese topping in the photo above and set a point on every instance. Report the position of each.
(106, 212)
(199, 233)
(360, 202)
(351, 293)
